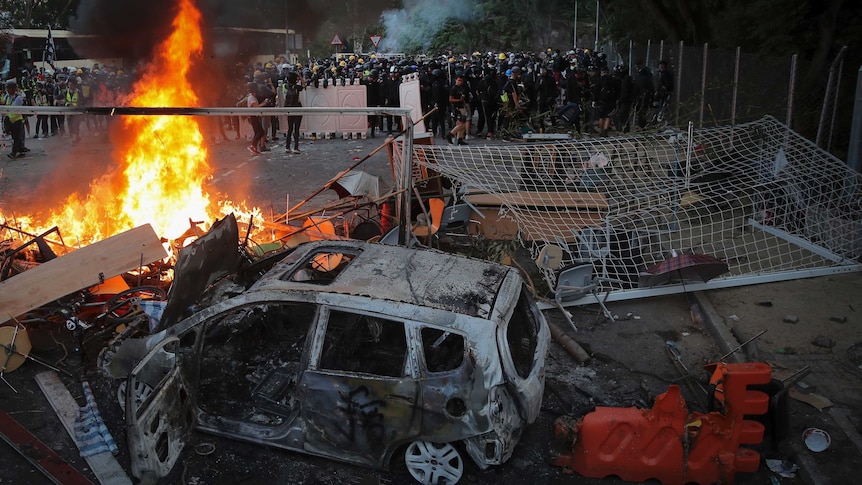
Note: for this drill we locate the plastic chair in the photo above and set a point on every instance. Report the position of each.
(572, 283)
(456, 220)
(435, 211)
(391, 238)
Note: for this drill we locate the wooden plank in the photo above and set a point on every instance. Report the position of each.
(562, 226)
(38, 454)
(581, 200)
(104, 465)
(79, 269)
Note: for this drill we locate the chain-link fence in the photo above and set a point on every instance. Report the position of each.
(718, 87)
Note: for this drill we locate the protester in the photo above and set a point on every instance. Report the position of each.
(291, 88)
(14, 122)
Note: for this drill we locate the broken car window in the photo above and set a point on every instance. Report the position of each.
(521, 334)
(364, 344)
(322, 267)
(250, 359)
(444, 350)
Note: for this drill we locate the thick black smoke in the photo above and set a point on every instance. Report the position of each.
(131, 29)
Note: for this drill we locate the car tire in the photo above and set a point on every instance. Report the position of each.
(433, 463)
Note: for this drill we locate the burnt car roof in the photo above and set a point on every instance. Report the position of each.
(422, 277)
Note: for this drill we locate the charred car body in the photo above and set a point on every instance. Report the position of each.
(350, 350)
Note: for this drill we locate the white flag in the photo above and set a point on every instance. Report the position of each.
(49, 49)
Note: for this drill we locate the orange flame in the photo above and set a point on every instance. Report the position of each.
(165, 165)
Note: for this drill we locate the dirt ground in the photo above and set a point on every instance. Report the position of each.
(629, 362)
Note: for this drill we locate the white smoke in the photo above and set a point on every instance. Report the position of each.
(419, 20)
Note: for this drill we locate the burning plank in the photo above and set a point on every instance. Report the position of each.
(79, 269)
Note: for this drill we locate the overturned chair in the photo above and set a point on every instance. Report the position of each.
(573, 282)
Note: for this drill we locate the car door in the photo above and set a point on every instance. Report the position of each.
(158, 425)
(359, 397)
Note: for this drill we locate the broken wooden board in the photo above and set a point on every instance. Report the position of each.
(79, 269)
(570, 200)
(559, 226)
(38, 454)
(104, 465)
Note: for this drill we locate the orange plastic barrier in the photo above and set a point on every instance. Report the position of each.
(668, 444)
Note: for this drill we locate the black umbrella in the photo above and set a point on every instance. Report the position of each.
(686, 268)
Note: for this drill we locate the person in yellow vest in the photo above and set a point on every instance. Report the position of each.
(74, 98)
(15, 121)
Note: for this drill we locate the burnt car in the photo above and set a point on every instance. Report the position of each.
(355, 351)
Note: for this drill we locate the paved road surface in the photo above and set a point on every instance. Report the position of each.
(629, 364)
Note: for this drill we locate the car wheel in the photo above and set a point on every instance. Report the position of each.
(434, 463)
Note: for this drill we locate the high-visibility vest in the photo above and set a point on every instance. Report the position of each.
(13, 117)
(72, 99)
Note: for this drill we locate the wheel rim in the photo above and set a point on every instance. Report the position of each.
(434, 463)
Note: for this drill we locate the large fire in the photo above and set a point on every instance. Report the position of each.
(162, 171)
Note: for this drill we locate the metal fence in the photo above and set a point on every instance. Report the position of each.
(716, 87)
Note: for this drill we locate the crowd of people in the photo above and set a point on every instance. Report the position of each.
(483, 94)
(468, 95)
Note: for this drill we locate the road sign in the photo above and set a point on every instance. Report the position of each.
(375, 39)
(336, 40)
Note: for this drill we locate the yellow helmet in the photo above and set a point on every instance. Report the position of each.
(501, 56)
(314, 68)
(361, 60)
(352, 58)
(374, 56)
(333, 69)
(268, 65)
(342, 63)
(340, 56)
(298, 65)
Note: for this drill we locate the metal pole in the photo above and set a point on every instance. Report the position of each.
(735, 88)
(661, 50)
(648, 44)
(828, 95)
(575, 39)
(735, 94)
(631, 47)
(853, 158)
(834, 107)
(676, 88)
(703, 84)
(791, 90)
(596, 47)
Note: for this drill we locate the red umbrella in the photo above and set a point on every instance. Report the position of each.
(686, 268)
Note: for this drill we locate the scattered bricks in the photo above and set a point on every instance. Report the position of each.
(838, 319)
(791, 319)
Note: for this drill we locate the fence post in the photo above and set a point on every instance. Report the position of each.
(678, 84)
(703, 84)
(835, 106)
(828, 95)
(646, 60)
(856, 127)
(735, 87)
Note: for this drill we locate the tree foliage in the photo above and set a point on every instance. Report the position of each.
(38, 14)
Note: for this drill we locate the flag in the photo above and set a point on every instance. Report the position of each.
(49, 49)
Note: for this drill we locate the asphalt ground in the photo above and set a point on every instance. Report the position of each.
(629, 363)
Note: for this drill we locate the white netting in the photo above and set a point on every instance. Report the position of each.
(757, 196)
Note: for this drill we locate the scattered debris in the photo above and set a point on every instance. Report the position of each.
(838, 319)
(816, 439)
(567, 342)
(765, 303)
(783, 467)
(823, 342)
(811, 398)
(734, 317)
(791, 319)
(104, 465)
